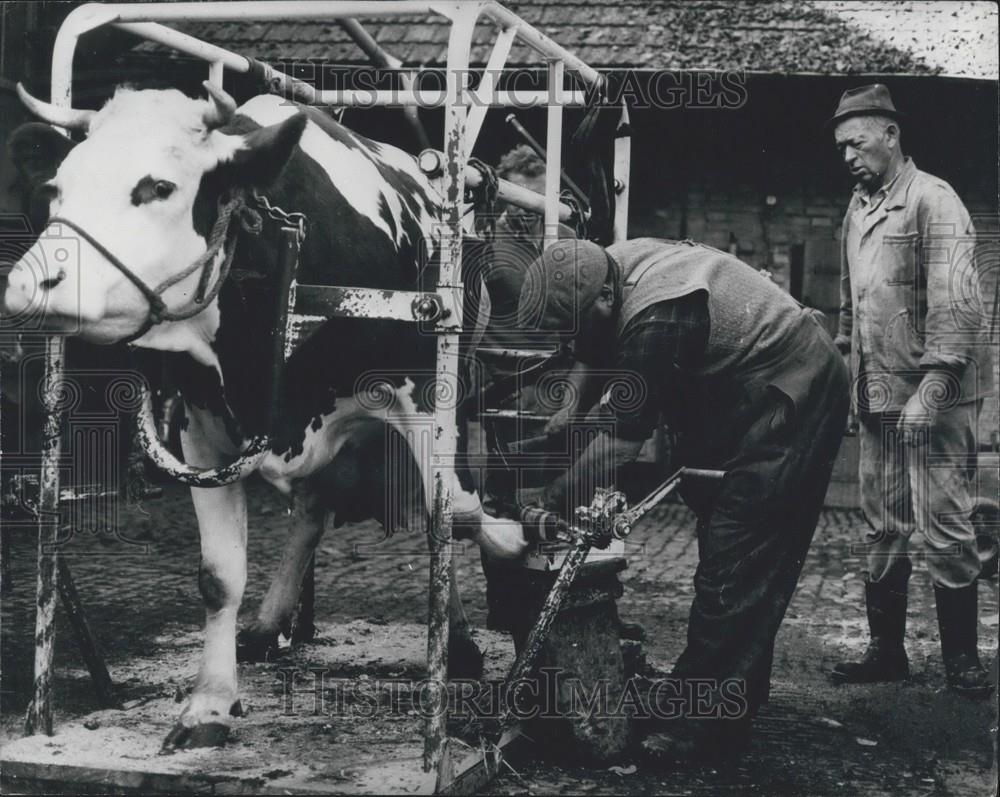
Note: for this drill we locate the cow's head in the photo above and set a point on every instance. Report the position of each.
(144, 186)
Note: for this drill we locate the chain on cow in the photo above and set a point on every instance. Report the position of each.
(293, 218)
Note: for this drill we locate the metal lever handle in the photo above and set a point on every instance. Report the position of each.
(623, 523)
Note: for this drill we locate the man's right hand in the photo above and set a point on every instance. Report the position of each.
(843, 344)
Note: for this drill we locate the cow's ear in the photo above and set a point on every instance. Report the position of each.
(265, 152)
(37, 149)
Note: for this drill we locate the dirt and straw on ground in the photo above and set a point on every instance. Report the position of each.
(914, 738)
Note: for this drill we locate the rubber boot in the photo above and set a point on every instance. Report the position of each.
(885, 658)
(958, 615)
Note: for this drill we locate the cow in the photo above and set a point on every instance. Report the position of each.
(138, 199)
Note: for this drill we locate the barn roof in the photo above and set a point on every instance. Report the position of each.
(959, 38)
(782, 36)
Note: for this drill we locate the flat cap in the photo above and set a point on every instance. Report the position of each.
(565, 281)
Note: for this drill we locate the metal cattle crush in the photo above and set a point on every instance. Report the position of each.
(465, 110)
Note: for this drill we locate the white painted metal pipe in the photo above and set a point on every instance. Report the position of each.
(426, 98)
(494, 65)
(432, 164)
(266, 10)
(216, 72)
(137, 18)
(79, 21)
(184, 43)
(553, 152)
(542, 43)
(445, 419)
(622, 167)
(131, 16)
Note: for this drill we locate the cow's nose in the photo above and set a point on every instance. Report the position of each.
(25, 292)
(14, 300)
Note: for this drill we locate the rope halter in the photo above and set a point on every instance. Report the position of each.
(218, 240)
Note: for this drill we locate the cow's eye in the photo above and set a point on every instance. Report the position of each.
(163, 189)
(149, 189)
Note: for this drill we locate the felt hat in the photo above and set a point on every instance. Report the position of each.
(864, 101)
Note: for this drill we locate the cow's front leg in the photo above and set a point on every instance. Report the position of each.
(222, 524)
(259, 641)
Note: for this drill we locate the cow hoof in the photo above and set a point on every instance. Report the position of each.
(182, 737)
(257, 646)
(465, 659)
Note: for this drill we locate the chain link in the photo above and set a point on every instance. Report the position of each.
(292, 219)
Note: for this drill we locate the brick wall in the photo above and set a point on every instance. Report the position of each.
(736, 218)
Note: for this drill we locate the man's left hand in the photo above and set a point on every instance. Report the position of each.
(915, 421)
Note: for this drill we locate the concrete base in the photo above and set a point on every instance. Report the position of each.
(338, 716)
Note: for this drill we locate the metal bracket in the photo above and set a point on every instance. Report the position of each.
(336, 302)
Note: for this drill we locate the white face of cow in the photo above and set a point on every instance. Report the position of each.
(131, 185)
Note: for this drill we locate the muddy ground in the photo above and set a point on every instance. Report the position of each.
(813, 738)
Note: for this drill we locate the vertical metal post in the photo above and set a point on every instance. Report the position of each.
(445, 422)
(623, 165)
(39, 717)
(553, 150)
(216, 69)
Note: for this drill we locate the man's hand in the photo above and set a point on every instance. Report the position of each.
(843, 344)
(575, 385)
(915, 421)
(501, 538)
(559, 420)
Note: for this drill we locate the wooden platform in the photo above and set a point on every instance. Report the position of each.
(356, 730)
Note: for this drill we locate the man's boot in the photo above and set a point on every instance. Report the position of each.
(958, 615)
(885, 659)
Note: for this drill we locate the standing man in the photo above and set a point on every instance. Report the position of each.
(912, 320)
(752, 385)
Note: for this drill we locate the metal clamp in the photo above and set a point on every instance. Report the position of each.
(599, 520)
(608, 514)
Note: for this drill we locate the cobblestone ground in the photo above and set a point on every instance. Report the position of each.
(912, 738)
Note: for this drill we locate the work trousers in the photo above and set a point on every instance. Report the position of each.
(754, 532)
(926, 488)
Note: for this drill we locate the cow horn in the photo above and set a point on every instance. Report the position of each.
(69, 118)
(222, 108)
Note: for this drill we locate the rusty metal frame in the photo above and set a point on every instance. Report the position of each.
(464, 114)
